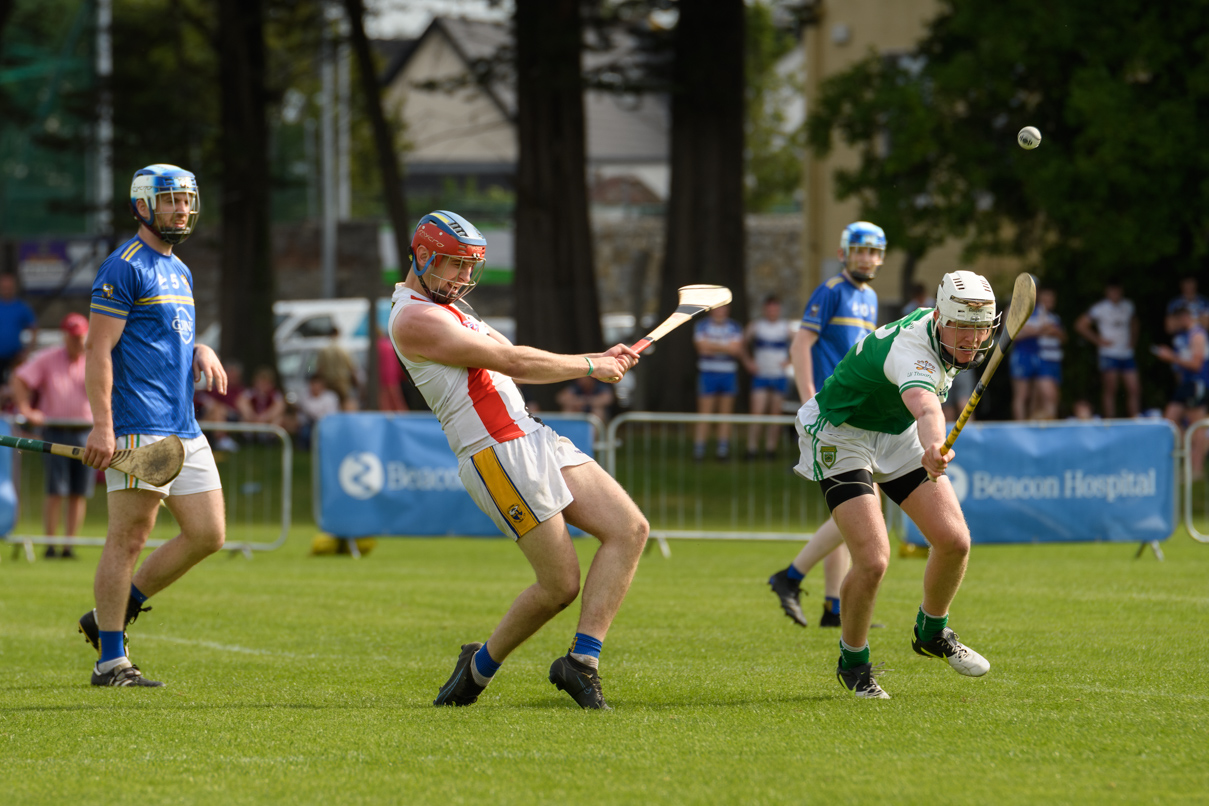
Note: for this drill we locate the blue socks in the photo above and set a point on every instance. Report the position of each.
(794, 574)
(586, 650)
(832, 605)
(483, 668)
(112, 646)
(137, 595)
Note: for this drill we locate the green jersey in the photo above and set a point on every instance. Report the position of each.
(866, 389)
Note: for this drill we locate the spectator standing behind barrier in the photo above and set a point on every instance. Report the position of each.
(15, 318)
(390, 377)
(339, 372)
(316, 403)
(766, 341)
(840, 312)
(1036, 362)
(1189, 359)
(56, 375)
(214, 406)
(1190, 297)
(262, 402)
(1112, 325)
(586, 395)
(719, 343)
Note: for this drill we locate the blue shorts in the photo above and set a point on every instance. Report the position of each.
(717, 383)
(1024, 365)
(778, 385)
(1190, 394)
(1049, 369)
(1117, 364)
(66, 476)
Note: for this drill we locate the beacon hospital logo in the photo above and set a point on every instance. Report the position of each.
(363, 475)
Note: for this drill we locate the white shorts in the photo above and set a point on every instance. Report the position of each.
(199, 475)
(519, 483)
(829, 450)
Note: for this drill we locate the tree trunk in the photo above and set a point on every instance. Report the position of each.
(247, 276)
(557, 307)
(705, 228)
(384, 142)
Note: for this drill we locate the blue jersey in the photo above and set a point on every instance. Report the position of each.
(728, 330)
(841, 314)
(153, 359)
(1049, 348)
(1181, 343)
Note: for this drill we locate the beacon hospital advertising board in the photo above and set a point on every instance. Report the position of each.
(1065, 482)
(383, 474)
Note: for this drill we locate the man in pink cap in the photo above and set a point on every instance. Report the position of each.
(56, 374)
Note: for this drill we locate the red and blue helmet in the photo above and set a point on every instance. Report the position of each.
(157, 180)
(451, 237)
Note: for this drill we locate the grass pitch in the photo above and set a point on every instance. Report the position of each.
(297, 679)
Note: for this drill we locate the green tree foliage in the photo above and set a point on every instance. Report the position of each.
(774, 152)
(1119, 185)
(46, 83)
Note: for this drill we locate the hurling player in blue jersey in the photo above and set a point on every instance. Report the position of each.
(140, 368)
(839, 313)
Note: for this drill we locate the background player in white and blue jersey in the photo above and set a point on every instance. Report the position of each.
(840, 312)
(1036, 362)
(719, 343)
(1191, 297)
(1112, 325)
(141, 364)
(766, 340)
(1189, 359)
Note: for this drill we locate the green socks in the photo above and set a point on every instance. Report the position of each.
(929, 626)
(851, 658)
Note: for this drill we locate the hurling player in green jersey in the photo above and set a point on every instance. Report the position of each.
(878, 419)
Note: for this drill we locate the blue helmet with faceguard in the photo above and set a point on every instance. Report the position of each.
(154, 181)
(449, 242)
(862, 233)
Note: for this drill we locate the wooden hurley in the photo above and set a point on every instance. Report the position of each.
(694, 301)
(157, 463)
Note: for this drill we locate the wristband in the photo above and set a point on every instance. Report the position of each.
(591, 368)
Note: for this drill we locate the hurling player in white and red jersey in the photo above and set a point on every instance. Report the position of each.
(523, 475)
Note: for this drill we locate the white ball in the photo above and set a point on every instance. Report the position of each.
(1029, 137)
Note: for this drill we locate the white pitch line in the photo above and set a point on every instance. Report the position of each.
(231, 647)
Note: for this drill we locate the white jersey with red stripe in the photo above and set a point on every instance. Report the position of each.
(478, 408)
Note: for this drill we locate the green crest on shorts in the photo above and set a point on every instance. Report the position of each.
(827, 455)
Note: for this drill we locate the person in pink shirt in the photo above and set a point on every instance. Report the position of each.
(56, 375)
(390, 377)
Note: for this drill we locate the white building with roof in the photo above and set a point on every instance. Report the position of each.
(460, 119)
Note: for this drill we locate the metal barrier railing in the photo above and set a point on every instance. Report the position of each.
(651, 455)
(1190, 498)
(257, 481)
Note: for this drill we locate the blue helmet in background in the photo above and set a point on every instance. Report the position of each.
(862, 233)
(162, 179)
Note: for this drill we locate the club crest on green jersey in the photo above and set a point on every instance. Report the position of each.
(827, 455)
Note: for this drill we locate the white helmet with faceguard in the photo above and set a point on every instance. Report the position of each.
(965, 301)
